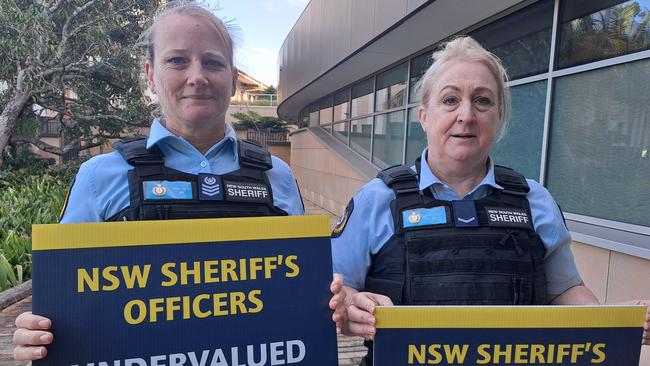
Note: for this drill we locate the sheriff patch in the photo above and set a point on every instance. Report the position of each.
(508, 217)
(246, 192)
(338, 229)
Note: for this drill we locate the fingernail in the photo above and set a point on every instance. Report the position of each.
(371, 330)
(45, 338)
(43, 323)
(38, 352)
(371, 320)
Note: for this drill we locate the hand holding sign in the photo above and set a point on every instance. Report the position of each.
(353, 310)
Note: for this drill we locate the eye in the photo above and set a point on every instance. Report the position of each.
(450, 101)
(213, 63)
(176, 60)
(483, 101)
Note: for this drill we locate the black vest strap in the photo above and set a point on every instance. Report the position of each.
(401, 179)
(512, 182)
(147, 162)
(253, 155)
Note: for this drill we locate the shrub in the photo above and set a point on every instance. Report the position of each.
(30, 195)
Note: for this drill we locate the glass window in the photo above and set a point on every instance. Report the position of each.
(599, 159)
(325, 114)
(391, 88)
(388, 139)
(416, 140)
(593, 30)
(313, 115)
(341, 131)
(521, 40)
(419, 66)
(360, 131)
(521, 147)
(341, 105)
(362, 98)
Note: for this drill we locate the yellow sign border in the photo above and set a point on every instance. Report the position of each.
(423, 317)
(138, 233)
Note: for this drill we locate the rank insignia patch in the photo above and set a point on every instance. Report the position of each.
(338, 229)
(210, 187)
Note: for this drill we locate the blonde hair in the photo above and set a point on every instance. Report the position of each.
(184, 8)
(465, 48)
(179, 8)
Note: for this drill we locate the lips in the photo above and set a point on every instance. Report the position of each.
(198, 97)
(463, 135)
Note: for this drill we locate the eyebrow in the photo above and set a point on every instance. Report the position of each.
(184, 51)
(479, 89)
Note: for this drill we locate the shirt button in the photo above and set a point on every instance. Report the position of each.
(204, 164)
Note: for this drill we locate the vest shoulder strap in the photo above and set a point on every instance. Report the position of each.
(253, 155)
(148, 162)
(135, 151)
(512, 181)
(400, 178)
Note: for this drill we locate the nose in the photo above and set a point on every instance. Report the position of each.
(465, 112)
(196, 75)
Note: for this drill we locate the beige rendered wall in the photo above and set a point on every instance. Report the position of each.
(323, 176)
(281, 150)
(614, 277)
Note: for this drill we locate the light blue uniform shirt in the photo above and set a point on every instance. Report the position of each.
(101, 188)
(371, 225)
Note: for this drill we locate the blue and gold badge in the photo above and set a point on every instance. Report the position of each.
(424, 217)
(167, 190)
(338, 229)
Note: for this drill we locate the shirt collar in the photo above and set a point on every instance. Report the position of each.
(159, 133)
(428, 179)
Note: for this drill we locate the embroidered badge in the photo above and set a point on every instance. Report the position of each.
(210, 187)
(508, 217)
(340, 226)
(167, 190)
(424, 217)
(159, 190)
(414, 217)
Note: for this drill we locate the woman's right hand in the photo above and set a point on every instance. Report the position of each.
(31, 336)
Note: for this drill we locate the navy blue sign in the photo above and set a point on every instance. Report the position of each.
(495, 336)
(186, 292)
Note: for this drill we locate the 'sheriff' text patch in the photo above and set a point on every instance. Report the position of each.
(508, 217)
(246, 192)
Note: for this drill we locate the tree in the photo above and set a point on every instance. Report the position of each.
(77, 59)
(270, 90)
(255, 121)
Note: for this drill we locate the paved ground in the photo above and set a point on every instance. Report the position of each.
(351, 349)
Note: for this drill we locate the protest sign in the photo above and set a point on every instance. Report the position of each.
(215, 292)
(509, 335)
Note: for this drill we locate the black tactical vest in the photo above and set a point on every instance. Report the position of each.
(161, 193)
(468, 252)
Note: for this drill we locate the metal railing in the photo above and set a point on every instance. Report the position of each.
(268, 100)
(264, 136)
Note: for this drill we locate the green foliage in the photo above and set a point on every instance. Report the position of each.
(255, 121)
(78, 59)
(29, 196)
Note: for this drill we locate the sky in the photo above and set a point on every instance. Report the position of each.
(260, 28)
